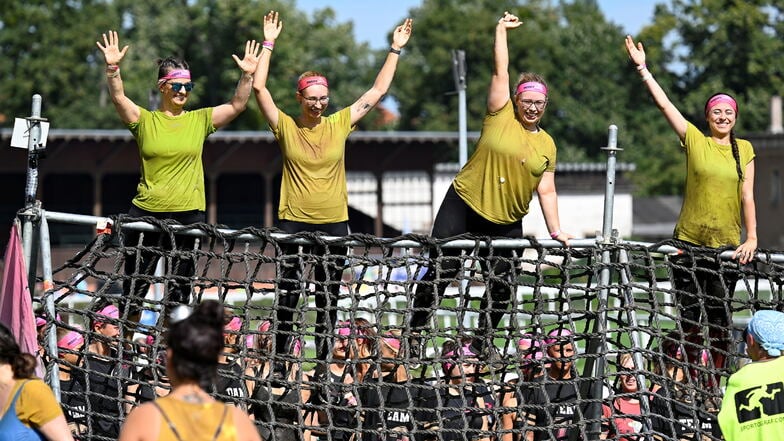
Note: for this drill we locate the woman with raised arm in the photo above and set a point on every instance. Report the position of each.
(514, 157)
(171, 140)
(313, 194)
(719, 187)
(189, 412)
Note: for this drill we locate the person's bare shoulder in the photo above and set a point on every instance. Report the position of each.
(142, 424)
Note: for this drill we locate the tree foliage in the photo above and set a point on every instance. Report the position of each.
(694, 48)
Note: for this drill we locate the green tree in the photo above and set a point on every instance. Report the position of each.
(47, 48)
(44, 46)
(726, 45)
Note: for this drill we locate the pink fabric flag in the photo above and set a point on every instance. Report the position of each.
(16, 303)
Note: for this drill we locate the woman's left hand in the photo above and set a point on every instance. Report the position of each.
(402, 34)
(251, 59)
(746, 251)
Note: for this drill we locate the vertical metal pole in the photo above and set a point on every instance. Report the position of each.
(634, 335)
(53, 370)
(31, 188)
(459, 71)
(609, 191)
(598, 343)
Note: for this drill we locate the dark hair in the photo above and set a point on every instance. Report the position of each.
(733, 141)
(22, 364)
(169, 64)
(196, 342)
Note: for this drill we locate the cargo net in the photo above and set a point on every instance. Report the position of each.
(410, 338)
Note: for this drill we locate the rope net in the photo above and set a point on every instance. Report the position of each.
(411, 338)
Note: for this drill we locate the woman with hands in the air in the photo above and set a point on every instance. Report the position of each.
(170, 141)
(719, 187)
(514, 157)
(313, 193)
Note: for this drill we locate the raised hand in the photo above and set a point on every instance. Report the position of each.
(272, 26)
(402, 33)
(111, 48)
(509, 21)
(251, 59)
(636, 52)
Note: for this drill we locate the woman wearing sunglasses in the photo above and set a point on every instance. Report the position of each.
(313, 194)
(171, 140)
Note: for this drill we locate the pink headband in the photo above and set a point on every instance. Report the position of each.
(265, 326)
(41, 320)
(525, 345)
(107, 312)
(71, 340)
(465, 351)
(391, 341)
(721, 98)
(306, 82)
(233, 325)
(176, 74)
(555, 333)
(532, 86)
(345, 330)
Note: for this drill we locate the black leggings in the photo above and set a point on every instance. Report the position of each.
(700, 276)
(144, 263)
(328, 276)
(456, 217)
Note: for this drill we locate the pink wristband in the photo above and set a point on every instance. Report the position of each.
(555, 234)
(268, 44)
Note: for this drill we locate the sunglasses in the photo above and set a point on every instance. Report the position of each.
(178, 86)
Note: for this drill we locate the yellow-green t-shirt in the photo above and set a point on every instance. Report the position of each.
(197, 421)
(36, 405)
(172, 173)
(753, 404)
(313, 185)
(499, 179)
(711, 212)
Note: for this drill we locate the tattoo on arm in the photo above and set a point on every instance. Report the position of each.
(363, 107)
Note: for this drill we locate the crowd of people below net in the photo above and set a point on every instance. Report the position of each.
(369, 387)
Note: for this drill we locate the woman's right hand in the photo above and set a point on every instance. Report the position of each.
(509, 21)
(111, 48)
(636, 52)
(272, 26)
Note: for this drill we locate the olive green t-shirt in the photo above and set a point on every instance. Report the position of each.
(313, 185)
(711, 212)
(499, 179)
(753, 404)
(172, 174)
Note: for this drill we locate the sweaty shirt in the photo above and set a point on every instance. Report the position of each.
(499, 179)
(711, 211)
(313, 186)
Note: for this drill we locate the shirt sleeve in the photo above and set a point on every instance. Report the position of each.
(134, 126)
(37, 404)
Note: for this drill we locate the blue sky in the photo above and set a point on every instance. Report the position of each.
(373, 19)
